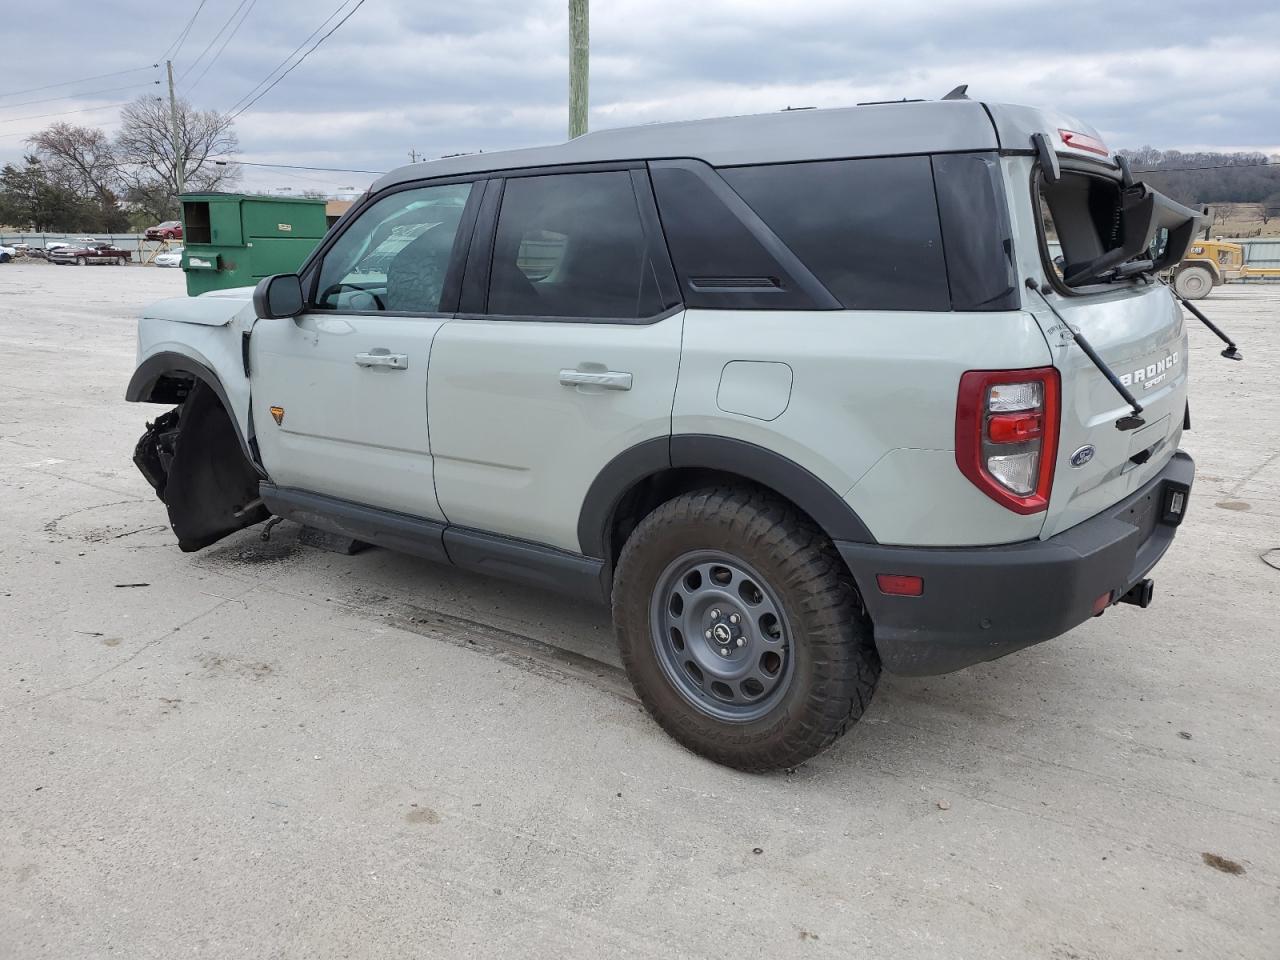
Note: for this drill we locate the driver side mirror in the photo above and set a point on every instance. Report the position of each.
(278, 297)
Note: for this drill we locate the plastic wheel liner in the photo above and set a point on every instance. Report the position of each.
(193, 459)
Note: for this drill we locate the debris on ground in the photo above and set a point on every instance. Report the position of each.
(1223, 864)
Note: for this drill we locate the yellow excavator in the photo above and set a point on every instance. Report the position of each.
(1211, 263)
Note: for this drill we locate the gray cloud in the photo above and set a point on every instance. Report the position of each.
(490, 74)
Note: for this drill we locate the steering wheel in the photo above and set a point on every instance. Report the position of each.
(343, 285)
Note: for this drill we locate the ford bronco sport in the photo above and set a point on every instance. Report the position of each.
(799, 394)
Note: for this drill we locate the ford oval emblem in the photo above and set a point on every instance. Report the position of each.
(1082, 456)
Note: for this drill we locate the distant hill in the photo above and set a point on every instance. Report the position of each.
(1209, 177)
(1243, 188)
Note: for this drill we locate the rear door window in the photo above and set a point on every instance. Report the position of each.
(867, 229)
(572, 245)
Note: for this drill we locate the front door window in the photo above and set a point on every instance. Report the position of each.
(394, 257)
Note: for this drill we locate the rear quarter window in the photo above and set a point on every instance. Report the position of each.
(977, 232)
(867, 229)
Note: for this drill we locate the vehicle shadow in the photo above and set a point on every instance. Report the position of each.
(544, 632)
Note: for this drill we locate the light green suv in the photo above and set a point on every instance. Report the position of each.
(799, 394)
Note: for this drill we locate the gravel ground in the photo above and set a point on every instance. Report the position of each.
(263, 750)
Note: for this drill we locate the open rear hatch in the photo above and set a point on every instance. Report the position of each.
(1104, 296)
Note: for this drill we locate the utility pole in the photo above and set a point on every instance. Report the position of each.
(579, 66)
(413, 155)
(179, 158)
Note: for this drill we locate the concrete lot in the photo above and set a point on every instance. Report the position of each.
(263, 750)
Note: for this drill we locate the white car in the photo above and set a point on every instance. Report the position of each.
(170, 258)
(53, 245)
(7, 254)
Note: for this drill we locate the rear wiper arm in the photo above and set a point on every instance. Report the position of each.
(1134, 420)
(1077, 274)
(1231, 353)
(1133, 268)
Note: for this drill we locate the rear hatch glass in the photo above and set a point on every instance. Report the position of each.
(1098, 231)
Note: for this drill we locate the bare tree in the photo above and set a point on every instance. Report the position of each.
(1270, 208)
(81, 158)
(149, 159)
(80, 162)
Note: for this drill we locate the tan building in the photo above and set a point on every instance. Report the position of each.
(333, 209)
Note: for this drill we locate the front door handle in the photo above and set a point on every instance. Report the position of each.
(607, 379)
(383, 358)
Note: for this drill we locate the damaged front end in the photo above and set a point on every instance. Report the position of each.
(193, 458)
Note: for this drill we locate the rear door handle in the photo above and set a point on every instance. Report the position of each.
(383, 358)
(608, 379)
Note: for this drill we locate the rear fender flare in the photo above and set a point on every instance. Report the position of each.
(750, 461)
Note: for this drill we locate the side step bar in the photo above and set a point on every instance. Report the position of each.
(531, 563)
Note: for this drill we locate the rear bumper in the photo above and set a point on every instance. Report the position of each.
(984, 602)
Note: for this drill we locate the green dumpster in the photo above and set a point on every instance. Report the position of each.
(234, 240)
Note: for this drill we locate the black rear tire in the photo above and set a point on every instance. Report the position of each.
(831, 665)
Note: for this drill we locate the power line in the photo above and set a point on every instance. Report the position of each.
(68, 83)
(293, 166)
(233, 32)
(214, 39)
(1212, 166)
(182, 37)
(41, 116)
(310, 51)
(73, 96)
(292, 53)
(326, 182)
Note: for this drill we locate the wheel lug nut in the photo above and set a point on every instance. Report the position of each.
(734, 618)
(715, 614)
(741, 642)
(724, 651)
(707, 634)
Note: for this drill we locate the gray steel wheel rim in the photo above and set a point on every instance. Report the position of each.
(749, 679)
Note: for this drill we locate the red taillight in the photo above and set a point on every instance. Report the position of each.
(1014, 427)
(1007, 434)
(900, 585)
(1082, 141)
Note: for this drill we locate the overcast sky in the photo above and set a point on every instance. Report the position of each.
(464, 75)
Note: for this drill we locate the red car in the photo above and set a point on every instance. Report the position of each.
(169, 230)
(89, 253)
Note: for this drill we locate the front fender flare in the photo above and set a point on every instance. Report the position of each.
(167, 363)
